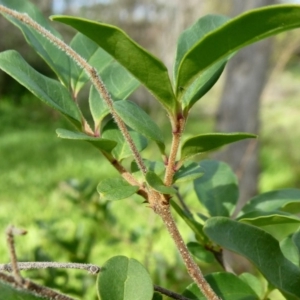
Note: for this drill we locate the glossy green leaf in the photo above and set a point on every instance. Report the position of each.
(48, 90)
(186, 41)
(149, 70)
(217, 189)
(259, 247)
(255, 283)
(227, 286)
(289, 250)
(111, 132)
(100, 143)
(123, 278)
(274, 200)
(278, 224)
(237, 33)
(200, 252)
(210, 141)
(8, 290)
(196, 227)
(139, 121)
(116, 189)
(189, 171)
(157, 184)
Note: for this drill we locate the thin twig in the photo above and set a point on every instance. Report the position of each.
(34, 288)
(93, 269)
(171, 162)
(90, 71)
(168, 293)
(11, 231)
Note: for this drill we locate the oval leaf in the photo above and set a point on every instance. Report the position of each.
(289, 250)
(101, 144)
(116, 189)
(123, 278)
(217, 189)
(158, 167)
(296, 241)
(239, 32)
(157, 184)
(46, 89)
(273, 200)
(259, 247)
(149, 70)
(111, 132)
(210, 141)
(139, 121)
(227, 285)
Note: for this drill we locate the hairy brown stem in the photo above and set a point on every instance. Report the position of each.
(192, 268)
(171, 162)
(90, 71)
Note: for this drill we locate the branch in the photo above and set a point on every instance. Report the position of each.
(92, 269)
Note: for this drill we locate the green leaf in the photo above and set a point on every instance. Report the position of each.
(98, 107)
(100, 143)
(228, 287)
(111, 132)
(274, 200)
(94, 55)
(186, 41)
(289, 250)
(48, 90)
(123, 278)
(116, 189)
(217, 189)
(278, 224)
(158, 167)
(235, 34)
(157, 184)
(210, 141)
(149, 70)
(196, 227)
(9, 291)
(139, 121)
(259, 247)
(200, 252)
(189, 171)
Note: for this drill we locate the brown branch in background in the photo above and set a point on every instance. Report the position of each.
(182, 202)
(11, 231)
(34, 288)
(92, 269)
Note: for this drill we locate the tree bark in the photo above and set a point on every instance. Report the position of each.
(246, 76)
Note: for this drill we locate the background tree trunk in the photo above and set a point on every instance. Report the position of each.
(246, 76)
